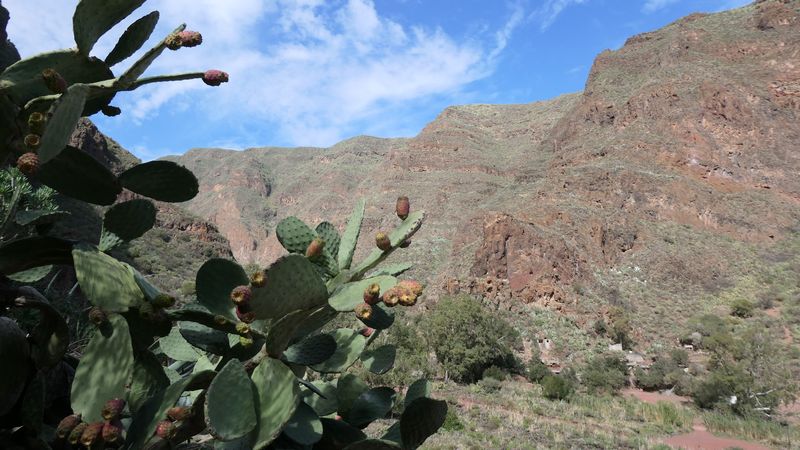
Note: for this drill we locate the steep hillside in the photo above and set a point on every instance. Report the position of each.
(668, 187)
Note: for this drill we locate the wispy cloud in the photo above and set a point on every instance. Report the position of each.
(310, 68)
(547, 14)
(651, 6)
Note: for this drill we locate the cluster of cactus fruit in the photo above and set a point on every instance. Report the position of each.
(253, 362)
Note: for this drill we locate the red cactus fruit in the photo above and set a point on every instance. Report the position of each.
(407, 299)
(241, 294)
(32, 141)
(367, 331)
(372, 294)
(77, 432)
(173, 41)
(190, 38)
(164, 301)
(363, 311)
(165, 429)
(402, 207)
(314, 249)
(54, 81)
(112, 431)
(28, 163)
(215, 77)
(111, 110)
(36, 123)
(412, 285)
(258, 279)
(391, 297)
(245, 313)
(382, 241)
(92, 434)
(113, 408)
(67, 424)
(177, 413)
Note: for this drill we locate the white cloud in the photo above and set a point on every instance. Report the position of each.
(311, 68)
(547, 14)
(651, 6)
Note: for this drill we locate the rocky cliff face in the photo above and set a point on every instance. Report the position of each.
(675, 169)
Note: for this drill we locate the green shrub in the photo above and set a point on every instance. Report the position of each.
(467, 339)
(537, 370)
(498, 373)
(556, 387)
(742, 308)
(452, 422)
(490, 384)
(605, 373)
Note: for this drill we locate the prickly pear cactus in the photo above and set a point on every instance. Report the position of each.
(241, 365)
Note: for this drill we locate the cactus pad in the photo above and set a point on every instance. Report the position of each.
(214, 282)
(349, 295)
(165, 181)
(304, 427)
(176, 347)
(294, 235)
(371, 405)
(76, 174)
(421, 419)
(379, 360)
(205, 338)
(324, 404)
(147, 378)
(231, 391)
(382, 317)
(327, 231)
(277, 396)
(373, 444)
(338, 434)
(68, 110)
(290, 284)
(311, 350)
(15, 352)
(133, 38)
(35, 251)
(31, 276)
(347, 245)
(93, 18)
(103, 370)
(418, 389)
(349, 345)
(393, 269)
(106, 282)
(130, 220)
(348, 388)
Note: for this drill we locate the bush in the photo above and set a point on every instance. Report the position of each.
(605, 373)
(467, 339)
(537, 370)
(451, 421)
(557, 388)
(742, 308)
(495, 372)
(490, 385)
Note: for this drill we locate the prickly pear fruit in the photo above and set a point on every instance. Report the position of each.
(241, 294)
(97, 316)
(32, 141)
(366, 331)
(36, 123)
(215, 77)
(77, 432)
(405, 244)
(245, 313)
(177, 413)
(407, 299)
(242, 328)
(412, 285)
(314, 249)
(165, 429)
(112, 431)
(190, 38)
(113, 408)
(173, 41)
(372, 294)
(382, 241)
(402, 207)
(54, 81)
(92, 434)
(257, 279)
(220, 319)
(164, 301)
(391, 297)
(67, 424)
(111, 110)
(363, 311)
(28, 163)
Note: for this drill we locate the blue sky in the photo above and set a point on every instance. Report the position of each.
(314, 72)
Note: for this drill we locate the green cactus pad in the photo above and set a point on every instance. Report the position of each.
(282, 331)
(349, 295)
(214, 282)
(33, 404)
(371, 405)
(142, 64)
(23, 80)
(326, 265)
(35, 251)
(150, 292)
(38, 217)
(277, 396)
(311, 350)
(154, 410)
(327, 231)
(349, 345)
(325, 404)
(176, 347)
(93, 18)
(103, 371)
(231, 391)
(133, 38)
(382, 317)
(379, 360)
(106, 282)
(373, 444)
(31, 276)
(290, 284)
(338, 434)
(130, 220)
(76, 174)
(347, 245)
(147, 379)
(304, 427)
(418, 389)
(165, 181)
(67, 111)
(294, 235)
(421, 419)
(392, 434)
(348, 388)
(205, 338)
(15, 353)
(407, 228)
(393, 269)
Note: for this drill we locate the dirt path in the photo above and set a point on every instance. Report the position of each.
(701, 439)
